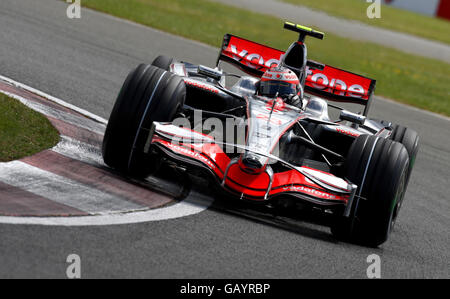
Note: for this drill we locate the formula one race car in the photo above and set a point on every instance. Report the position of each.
(269, 138)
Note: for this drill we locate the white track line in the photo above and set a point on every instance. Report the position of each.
(62, 190)
(78, 121)
(194, 204)
(55, 100)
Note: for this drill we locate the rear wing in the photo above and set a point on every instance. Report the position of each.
(322, 80)
(251, 57)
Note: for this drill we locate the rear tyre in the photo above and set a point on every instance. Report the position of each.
(148, 94)
(410, 139)
(163, 62)
(379, 167)
(406, 136)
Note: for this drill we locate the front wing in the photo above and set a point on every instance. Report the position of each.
(184, 145)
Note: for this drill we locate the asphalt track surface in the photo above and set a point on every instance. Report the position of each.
(84, 63)
(347, 28)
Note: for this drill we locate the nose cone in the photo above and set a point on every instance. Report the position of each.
(251, 164)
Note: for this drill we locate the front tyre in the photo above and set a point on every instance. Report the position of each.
(148, 94)
(379, 167)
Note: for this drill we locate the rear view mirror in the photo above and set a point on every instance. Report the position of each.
(352, 117)
(209, 72)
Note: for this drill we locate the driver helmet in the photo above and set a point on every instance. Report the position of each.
(279, 81)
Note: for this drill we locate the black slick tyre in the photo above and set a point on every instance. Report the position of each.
(148, 94)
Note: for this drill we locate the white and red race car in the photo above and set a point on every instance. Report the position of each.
(261, 149)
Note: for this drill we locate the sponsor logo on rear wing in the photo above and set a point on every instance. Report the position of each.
(327, 81)
(339, 85)
(251, 57)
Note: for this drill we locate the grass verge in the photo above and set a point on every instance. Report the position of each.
(392, 18)
(23, 131)
(414, 80)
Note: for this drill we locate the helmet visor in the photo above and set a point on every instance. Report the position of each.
(271, 88)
